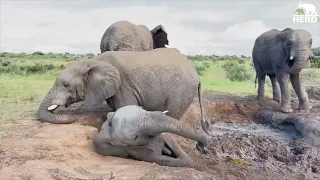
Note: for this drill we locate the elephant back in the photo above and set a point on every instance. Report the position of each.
(126, 36)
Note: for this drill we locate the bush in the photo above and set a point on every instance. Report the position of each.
(315, 64)
(236, 72)
(200, 68)
(206, 64)
(29, 69)
(38, 53)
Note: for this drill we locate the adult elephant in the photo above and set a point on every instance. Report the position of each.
(126, 36)
(157, 80)
(280, 54)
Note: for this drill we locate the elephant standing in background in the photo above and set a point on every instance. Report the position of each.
(157, 80)
(280, 54)
(133, 131)
(126, 36)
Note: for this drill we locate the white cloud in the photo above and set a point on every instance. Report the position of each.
(36, 26)
(57, 30)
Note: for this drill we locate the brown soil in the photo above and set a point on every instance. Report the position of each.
(33, 150)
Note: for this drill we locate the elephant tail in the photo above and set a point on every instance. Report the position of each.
(204, 123)
(255, 81)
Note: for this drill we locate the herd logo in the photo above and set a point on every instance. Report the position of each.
(306, 13)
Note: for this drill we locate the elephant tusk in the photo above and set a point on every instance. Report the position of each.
(52, 107)
(165, 112)
(291, 57)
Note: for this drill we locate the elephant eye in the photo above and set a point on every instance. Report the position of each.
(65, 84)
(289, 43)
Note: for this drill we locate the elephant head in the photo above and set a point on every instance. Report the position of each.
(133, 126)
(295, 49)
(160, 37)
(89, 81)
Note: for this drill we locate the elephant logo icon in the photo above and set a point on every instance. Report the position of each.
(306, 13)
(309, 9)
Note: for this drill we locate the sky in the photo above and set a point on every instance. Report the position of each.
(204, 27)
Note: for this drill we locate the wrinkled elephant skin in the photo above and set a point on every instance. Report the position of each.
(280, 55)
(126, 36)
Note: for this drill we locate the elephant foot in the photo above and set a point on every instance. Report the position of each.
(304, 107)
(201, 148)
(286, 109)
(260, 98)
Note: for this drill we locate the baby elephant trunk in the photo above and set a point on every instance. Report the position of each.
(156, 123)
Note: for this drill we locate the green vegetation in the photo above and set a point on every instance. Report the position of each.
(26, 78)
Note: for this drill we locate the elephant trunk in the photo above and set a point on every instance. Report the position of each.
(156, 123)
(297, 60)
(46, 116)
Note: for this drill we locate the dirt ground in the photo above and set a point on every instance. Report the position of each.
(241, 148)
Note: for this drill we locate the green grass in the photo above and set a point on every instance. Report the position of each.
(20, 96)
(26, 79)
(214, 78)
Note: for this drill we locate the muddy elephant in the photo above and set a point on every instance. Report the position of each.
(133, 131)
(126, 36)
(157, 80)
(280, 55)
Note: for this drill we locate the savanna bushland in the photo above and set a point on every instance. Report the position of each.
(26, 78)
(240, 148)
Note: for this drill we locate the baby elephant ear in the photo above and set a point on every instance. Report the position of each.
(103, 82)
(110, 117)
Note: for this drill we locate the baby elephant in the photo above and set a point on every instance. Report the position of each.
(134, 132)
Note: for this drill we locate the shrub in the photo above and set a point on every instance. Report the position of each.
(90, 55)
(29, 69)
(236, 72)
(315, 64)
(38, 53)
(200, 68)
(206, 64)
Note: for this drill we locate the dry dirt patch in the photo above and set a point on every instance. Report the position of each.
(33, 150)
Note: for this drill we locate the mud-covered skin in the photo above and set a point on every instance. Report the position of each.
(133, 126)
(126, 36)
(134, 132)
(161, 149)
(282, 55)
(306, 124)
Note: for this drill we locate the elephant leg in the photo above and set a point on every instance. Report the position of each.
(275, 88)
(153, 153)
(102, 146)
(300, 91)
(160, 159)
(261, 83)
(285, 106)
(176, 149)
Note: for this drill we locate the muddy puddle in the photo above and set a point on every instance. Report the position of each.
(285, 132)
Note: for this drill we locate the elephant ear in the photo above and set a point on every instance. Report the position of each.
(160, 36)
(110, 117)
(281, 51)
(103, 82)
